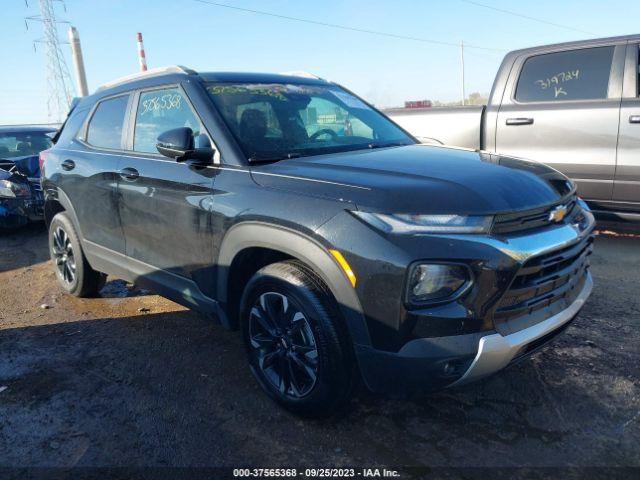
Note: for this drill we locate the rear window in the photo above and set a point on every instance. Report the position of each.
(105, 126)
(574, 75)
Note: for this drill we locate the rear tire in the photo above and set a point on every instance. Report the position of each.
(299, 349)
(75, 275)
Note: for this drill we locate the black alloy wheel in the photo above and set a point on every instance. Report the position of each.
(63, 256)
(284, 344)
(297, 342)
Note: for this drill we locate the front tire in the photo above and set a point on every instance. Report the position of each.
(75, 275)
(298, 347)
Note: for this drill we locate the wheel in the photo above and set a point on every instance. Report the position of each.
(74, 273)
(298, 347)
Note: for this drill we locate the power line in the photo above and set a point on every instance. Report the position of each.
(59, 86)
(515, 14)
(345, 27)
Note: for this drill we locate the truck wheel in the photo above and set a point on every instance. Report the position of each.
(74, 273)
(298, 346)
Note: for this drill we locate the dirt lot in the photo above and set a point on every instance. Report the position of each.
(132, 379)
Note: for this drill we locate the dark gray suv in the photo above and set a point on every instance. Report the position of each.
(293, 210)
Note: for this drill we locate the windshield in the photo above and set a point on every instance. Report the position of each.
(23, 144)
(276, 120)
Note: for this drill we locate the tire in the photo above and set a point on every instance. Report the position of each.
(291, 324)
(74, 274)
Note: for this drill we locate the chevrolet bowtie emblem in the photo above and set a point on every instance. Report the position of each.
(558, 213)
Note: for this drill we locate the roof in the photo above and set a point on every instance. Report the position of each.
(240, 77)
(154, 72)
(28, 128)
(245, 77)
(582, 43)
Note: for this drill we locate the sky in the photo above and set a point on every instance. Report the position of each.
(385, 71)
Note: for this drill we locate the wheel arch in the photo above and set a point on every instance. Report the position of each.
(291, 244)
(57, 201)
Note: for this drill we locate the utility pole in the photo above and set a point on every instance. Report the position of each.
(59, 85)
(142, 58)
(464, 96)
(78, 62)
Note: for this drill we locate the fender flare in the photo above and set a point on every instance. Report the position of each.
(62, 198)
(257, 234)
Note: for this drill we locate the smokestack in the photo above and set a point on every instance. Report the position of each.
(141, 56)
(78, 62)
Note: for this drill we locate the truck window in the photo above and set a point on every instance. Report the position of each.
(573, 75)
(105, 126)
(159, 111)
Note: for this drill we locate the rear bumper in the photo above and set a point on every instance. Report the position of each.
(430, 364)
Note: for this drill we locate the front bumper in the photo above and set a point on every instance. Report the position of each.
(433, 362)
(17, 212)
(497, 351)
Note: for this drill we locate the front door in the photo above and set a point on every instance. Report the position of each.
(165, 205)
(562, 109)
(627, 183)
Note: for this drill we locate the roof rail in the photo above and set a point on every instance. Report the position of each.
(154, 72)
(302, 73)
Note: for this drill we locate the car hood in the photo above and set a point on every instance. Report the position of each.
(27, 165)
(420, 179)
(14, 176)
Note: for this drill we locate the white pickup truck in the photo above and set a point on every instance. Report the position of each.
(574, 106)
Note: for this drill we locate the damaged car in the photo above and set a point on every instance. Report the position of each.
(21, 199)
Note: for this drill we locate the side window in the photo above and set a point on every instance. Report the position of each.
(322, 114)
(573, 75)
(105, 126)
(159, 111)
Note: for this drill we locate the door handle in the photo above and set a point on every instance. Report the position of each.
(519, 121)
(634, 119)
(68, 165)
(129, 173)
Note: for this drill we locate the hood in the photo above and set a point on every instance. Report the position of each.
(14, 176)
(420, 179)
(29, 165)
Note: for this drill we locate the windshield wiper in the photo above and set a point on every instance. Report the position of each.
(388, 144)
(273, 158)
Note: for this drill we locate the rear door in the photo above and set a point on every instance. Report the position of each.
(627, 182)
(562, 108)
(165, 205)
(90, 167)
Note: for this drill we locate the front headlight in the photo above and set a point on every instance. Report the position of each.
(433, 282)
(10, 189)
(408, 224)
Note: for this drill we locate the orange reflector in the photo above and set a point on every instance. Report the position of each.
(345, 266)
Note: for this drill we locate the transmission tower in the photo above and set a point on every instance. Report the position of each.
(59, 85)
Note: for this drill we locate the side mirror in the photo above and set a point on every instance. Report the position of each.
(179, 144)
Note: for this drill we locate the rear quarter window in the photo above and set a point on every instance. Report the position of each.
(105, 125)
(562, 76)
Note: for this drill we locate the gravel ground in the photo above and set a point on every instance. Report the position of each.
(134, 380)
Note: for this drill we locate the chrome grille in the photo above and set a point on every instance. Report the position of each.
(529, 219)
(551, 280)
